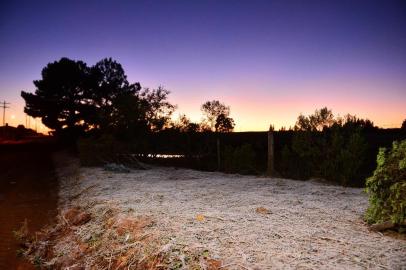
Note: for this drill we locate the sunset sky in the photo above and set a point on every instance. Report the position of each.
(268, 60)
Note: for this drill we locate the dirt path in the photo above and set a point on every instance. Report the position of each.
(239, 222)
(28, 191)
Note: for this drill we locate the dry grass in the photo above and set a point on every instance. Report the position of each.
(167, 218)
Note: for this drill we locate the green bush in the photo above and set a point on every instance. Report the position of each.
(301, 158)
(387, 186)
(239, 160)
(334, 155)
(342, 158)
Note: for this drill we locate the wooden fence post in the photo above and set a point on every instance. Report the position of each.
(218, 155)
(271, 168)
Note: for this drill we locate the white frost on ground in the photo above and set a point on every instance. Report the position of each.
(310, 224)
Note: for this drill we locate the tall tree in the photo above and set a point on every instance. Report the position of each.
(109, 85)
(60, 95)
(303, 123)
(183, 124)
(352, 122)
(321, 119)
(158, 110)
(224, 123)
(71, 96)
(217, 116)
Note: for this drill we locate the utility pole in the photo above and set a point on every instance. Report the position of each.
(4, 106)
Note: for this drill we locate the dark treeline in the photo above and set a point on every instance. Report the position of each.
(339, 149)
(106, 115)
(17, 133)
(73, 100)
(328, 147)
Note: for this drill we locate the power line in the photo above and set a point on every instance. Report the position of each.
(4, 106)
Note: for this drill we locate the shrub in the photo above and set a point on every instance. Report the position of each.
(99, 151)
(351, 159)
(387, 186)
(240, 159)
(333, 154)
(343, 157)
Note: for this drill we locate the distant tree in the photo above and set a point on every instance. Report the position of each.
(185, 125)
(224, 123)
(352, 122)
(303, 123)
(204, 127)
(60, 95)
(193, 127)
(212, 109)
(320, 119)
(158, 109)
(217, 116)
(403, 125)
(324, 118)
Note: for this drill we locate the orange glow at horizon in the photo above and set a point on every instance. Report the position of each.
(247, 118)
(255, 112)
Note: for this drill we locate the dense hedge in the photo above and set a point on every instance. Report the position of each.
(335, 155)
(387, 186)
(239, 160)
(344, 156)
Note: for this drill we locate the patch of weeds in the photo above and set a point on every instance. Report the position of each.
(18, 236)
(94, 240)
(176, 265)
(205, 254)
(21, 234)
(37, 261)
(188, 259)
(20, 252)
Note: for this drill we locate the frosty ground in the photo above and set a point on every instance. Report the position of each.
(192, 219)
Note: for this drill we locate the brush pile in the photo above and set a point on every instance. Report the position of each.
(106, 238)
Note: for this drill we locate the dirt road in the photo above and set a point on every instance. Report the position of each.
(28, 190)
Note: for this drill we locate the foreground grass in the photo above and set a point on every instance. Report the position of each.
(166, 218)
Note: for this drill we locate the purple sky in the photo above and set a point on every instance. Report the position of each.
(268, 60)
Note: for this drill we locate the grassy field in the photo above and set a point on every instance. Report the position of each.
(166, 218)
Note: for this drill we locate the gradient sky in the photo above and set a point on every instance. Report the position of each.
(268, 60)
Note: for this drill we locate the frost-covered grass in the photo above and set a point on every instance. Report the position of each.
(246, 222)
